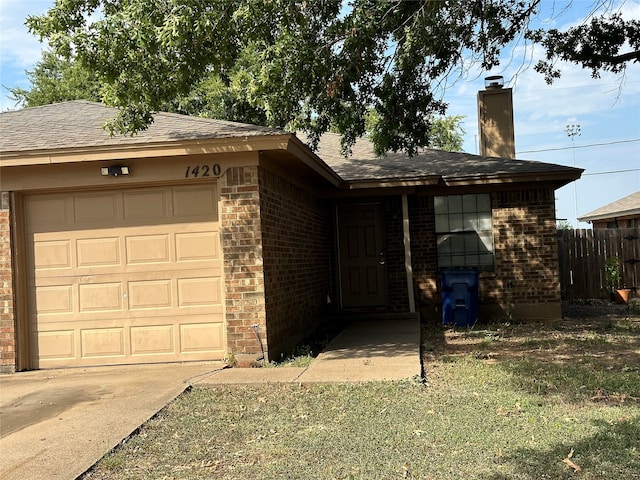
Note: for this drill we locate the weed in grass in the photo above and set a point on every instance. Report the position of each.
(485, 343)
(112, 463)
(302, 356)
(540, 344)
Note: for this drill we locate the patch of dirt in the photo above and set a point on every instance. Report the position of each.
(596, 307)
(603, 334)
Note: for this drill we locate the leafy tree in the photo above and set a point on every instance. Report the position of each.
(447, 133)
(563, 225)
(311, 65)
(595, 46)
(57, 79)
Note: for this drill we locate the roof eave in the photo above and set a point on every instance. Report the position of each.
(558, 179)
(393, 183)
(246, 143)
(313, 161)
(604, 216)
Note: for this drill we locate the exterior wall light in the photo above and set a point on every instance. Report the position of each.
(114, 171)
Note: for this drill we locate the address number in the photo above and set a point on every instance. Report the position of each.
(203, 171)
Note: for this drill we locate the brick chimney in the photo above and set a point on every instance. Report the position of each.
(495, 119)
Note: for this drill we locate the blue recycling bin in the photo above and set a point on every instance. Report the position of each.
(459, 297)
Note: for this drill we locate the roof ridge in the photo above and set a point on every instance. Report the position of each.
(182, 116)
(198, 118)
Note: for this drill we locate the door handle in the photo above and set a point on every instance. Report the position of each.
(381, 258)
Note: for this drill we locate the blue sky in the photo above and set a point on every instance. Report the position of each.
(607, 109)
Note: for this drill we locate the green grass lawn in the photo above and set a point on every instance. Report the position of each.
(507, 401)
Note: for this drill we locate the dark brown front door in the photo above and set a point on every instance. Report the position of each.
(363, 271)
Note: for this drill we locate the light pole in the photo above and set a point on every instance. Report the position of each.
(573, 130)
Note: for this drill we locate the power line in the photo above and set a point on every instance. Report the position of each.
(613, 171)
(575, 87)
(580, 146)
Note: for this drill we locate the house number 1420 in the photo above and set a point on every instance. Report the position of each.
(203, 171)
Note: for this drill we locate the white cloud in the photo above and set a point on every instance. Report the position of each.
(17, 46)
(607, 108)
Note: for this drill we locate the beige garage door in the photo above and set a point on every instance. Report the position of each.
(127, 276)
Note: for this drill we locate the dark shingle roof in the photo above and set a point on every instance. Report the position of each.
(629, 205)
(79, 123)
(364, 165)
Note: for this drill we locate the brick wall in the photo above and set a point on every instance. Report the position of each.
(297, 240)
(7, 323)
(241, 239)
(525, 282)
(629, 222)
(423, 250)
(394, 246)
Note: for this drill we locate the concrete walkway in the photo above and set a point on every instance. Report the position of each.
(370, 349)
(55, 424)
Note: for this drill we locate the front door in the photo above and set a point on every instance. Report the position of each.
(363, 270)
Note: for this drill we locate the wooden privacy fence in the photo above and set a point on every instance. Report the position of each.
(583, 253)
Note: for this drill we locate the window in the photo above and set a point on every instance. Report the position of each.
(464, 231)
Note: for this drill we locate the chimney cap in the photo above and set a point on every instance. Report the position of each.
(494, 81)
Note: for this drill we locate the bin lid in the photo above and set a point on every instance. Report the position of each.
(466, 276)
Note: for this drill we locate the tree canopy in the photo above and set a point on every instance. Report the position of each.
(311, 65)
(56, 79)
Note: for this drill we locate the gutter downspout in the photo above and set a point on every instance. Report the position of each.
(407, 253)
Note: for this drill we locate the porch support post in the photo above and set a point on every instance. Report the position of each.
(407, 252)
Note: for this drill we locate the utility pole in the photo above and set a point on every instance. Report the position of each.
(573, 130)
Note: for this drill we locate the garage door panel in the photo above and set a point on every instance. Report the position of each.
(191, 202)
(197, 246)
(52, 254)
(150, 294)
(98, 252)
(153, 340)
(201, 337)
(102, 342)
(147, 205)
(125, 276)
(49, 212)
(143, 249)
(92, 209)
(197, 292)
(54, 299)
(56, 345)
(100, 297)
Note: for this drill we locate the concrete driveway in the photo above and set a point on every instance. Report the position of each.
(55, 424)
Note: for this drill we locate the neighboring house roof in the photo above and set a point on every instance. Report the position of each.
(38, 134)
(627, 206)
